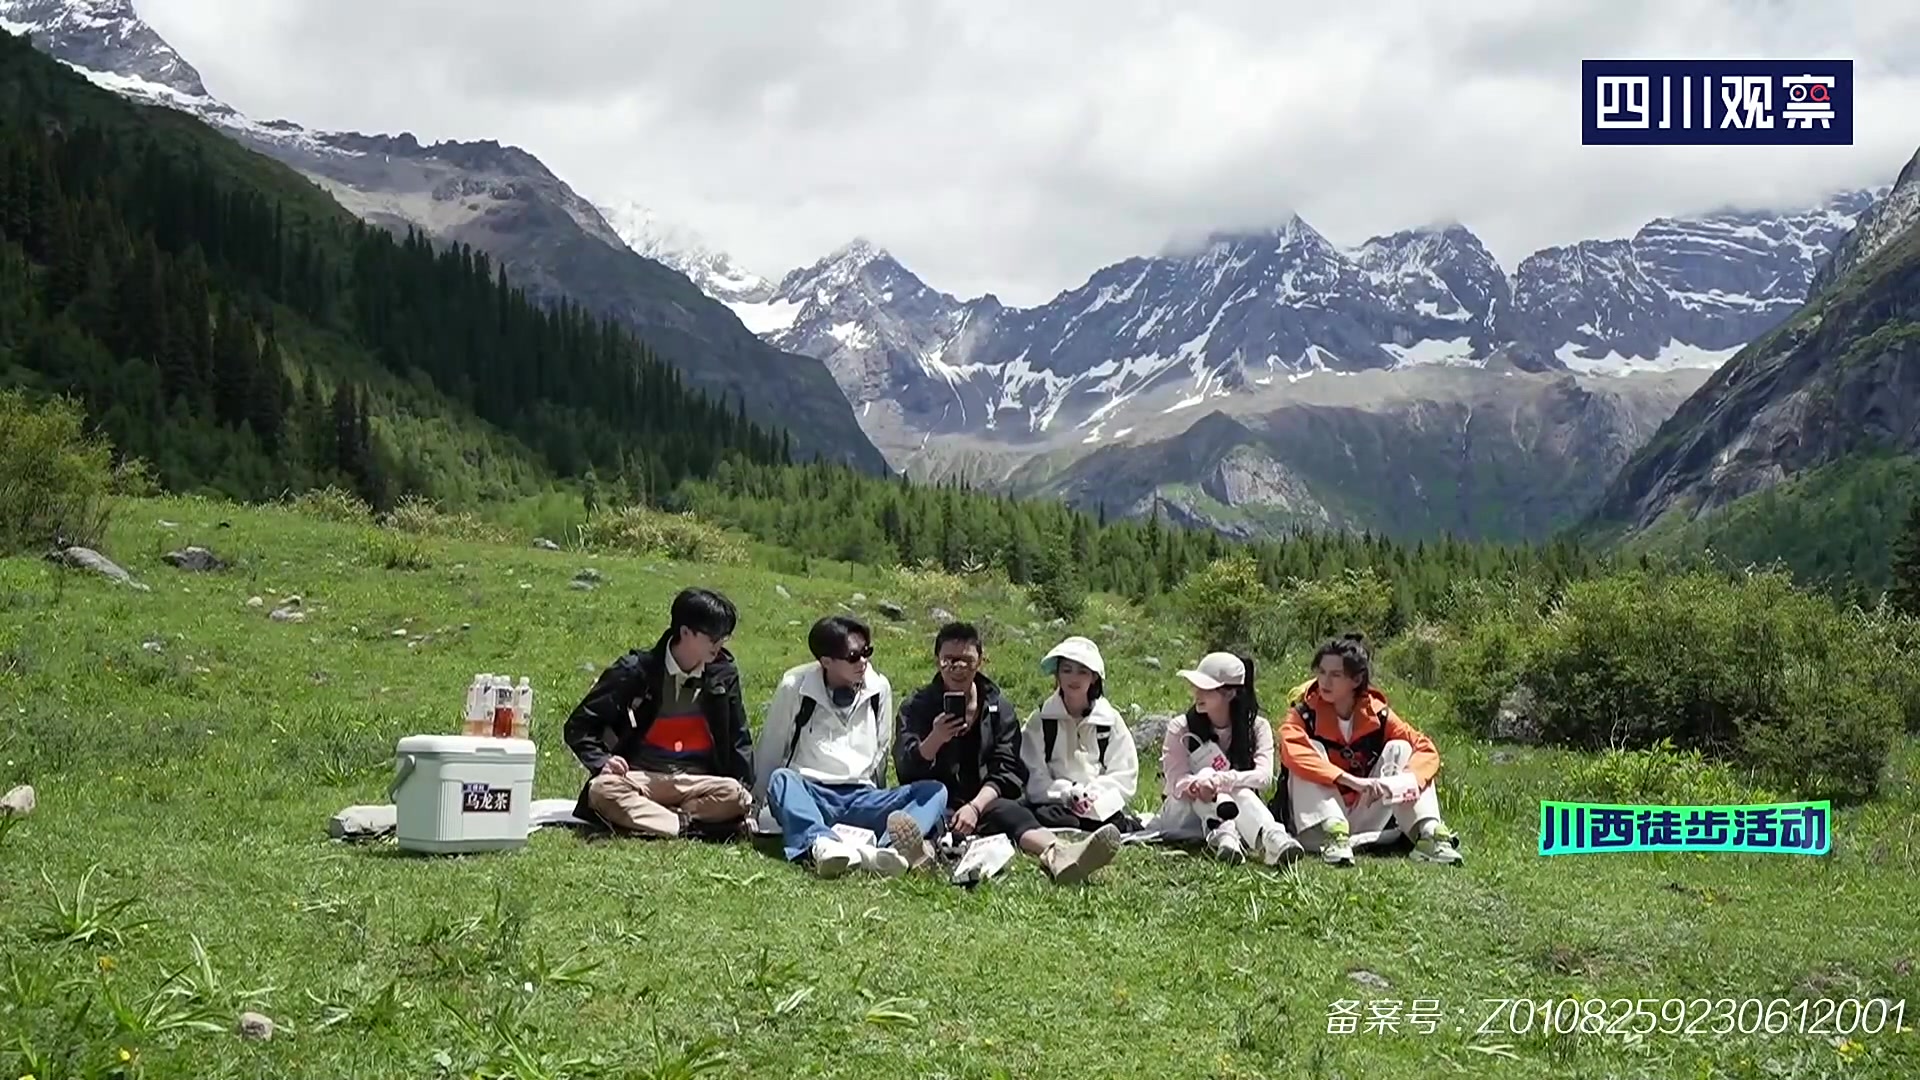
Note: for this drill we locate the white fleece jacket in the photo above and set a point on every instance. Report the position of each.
(838, 746)
(1075, 764)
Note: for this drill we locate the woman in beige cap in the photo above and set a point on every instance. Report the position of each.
(1216, 761)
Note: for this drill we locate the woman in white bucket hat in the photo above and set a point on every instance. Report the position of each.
(1082, 767)
(1215, 761)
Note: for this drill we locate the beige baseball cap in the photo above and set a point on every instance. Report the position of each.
(1215, 670)
(1078, 649)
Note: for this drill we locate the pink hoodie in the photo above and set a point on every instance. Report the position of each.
(1178, 765)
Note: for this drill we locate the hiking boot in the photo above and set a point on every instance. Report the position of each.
(1338, 850)
(1224, 842)
(1278, 848)
(908, 839)
(885, 861)
(1069, 864)
(833, 858)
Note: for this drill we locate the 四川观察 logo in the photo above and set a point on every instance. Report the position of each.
(1716, 102)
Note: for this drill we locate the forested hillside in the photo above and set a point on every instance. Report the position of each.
(834, 512)
(164, 276)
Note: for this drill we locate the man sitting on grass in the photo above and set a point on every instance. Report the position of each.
(960, 730)
(822, 759)
(1356, 773)
(663, 733)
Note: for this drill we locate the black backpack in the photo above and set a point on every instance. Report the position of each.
(1051, 728)
(807, 705)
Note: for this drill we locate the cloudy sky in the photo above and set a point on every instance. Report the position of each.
(1015, 147)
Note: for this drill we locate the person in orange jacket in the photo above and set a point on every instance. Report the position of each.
(1356, 773)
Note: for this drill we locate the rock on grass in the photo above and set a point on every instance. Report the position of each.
(19, 802)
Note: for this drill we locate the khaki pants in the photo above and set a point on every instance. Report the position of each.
(652, 803)
(1316, 804)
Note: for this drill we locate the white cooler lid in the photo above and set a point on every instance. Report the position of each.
(467, 746)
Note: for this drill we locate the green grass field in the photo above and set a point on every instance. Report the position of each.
(187, 752)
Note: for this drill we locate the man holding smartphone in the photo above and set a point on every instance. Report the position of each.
(960, 729)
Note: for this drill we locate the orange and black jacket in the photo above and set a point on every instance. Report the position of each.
(1374, 725)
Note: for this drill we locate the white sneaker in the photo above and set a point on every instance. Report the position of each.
(884, 861)
(1224, 842)
(1278, 848)
(832, 858)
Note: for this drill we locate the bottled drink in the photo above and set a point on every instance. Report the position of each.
(522, 709)
(502, 708)
(474, 721)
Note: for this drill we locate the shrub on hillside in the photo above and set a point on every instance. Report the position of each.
(1481, 669)
(1748, 670)
(1226, 602)
(1417, 656)
(55, 479)
(1659, 775)
(421, 517)
(1356, 601)
(331, 504)
(674, 536)
(134, 478)
(1897, 640)
(396, 551)
(1471, 601)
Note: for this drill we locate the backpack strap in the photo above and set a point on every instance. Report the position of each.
(1106, 736)
(807, 705)
(1052, 730)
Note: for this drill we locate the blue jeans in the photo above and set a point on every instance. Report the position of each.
(807, 811)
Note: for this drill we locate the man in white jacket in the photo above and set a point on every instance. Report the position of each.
(821, 762)
(1082, 768)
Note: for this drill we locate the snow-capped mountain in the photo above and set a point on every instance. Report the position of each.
(679, 246)
(1152, 336)
(1838, 383)
(1682, 291)
(499, 199)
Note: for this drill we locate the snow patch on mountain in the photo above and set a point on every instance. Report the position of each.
(677, 245)
(1671, 356)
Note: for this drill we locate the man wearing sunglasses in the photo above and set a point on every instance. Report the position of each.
(822, 754)
(663, 732)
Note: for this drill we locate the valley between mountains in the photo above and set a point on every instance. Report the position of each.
(1258, 381)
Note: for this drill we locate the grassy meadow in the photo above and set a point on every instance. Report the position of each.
(187, 752)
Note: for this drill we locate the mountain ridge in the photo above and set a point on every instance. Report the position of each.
(1841, 378)
(495, 197)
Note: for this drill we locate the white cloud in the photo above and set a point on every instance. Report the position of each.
(1015, 147)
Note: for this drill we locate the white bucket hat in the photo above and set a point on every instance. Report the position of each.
(1078, 649)
(1215, 670)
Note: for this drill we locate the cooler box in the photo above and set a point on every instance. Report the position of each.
(460, 793)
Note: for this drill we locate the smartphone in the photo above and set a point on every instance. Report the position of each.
(953, 704)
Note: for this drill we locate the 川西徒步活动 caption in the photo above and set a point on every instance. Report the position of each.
(1569, 828)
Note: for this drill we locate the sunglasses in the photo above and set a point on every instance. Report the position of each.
(854, 656)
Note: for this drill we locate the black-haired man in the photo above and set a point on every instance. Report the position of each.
(960, 729)
(663, 732)
(822, 761)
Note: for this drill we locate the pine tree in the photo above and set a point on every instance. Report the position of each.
(1904, 594)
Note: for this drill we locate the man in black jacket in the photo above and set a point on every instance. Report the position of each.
(975, 753)
(663, 733)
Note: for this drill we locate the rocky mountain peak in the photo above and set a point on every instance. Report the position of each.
(1878, 225)
(105, 36)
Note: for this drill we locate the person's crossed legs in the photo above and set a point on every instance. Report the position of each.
(658, 804)
(1327, 826)
(901, 819)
